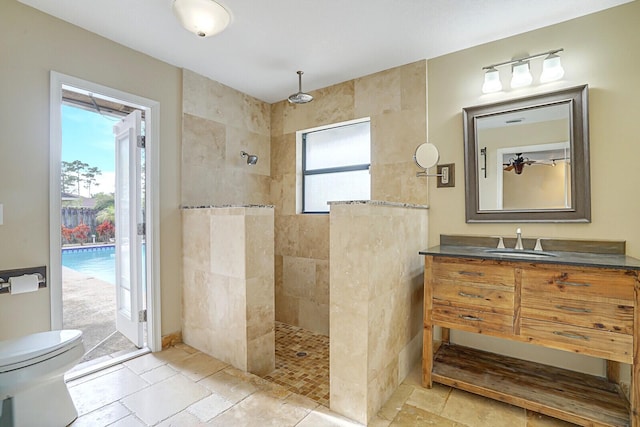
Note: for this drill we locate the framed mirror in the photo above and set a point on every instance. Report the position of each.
(527, 159)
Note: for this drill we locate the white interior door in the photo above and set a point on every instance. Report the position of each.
(129, 239)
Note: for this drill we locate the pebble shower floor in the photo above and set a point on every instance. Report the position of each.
(302, 362)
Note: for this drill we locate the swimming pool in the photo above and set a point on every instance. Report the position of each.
(97, 261)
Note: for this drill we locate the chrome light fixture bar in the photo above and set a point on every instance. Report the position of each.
(520, 72)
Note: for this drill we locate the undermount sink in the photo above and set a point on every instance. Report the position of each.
(520, 253)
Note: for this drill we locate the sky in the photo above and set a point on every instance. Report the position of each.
(88, 136)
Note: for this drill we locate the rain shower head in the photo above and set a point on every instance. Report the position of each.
(300, 97)
(252, 159)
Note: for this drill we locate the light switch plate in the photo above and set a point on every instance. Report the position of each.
(450, 178)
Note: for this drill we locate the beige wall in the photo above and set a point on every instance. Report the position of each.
(600, 51)
(218, 123)
(596, 53)
(556, 131)
(395, 100)
(31, 45)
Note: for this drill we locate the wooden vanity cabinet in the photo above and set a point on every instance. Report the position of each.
(585, 310)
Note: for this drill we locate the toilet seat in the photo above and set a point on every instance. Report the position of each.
(25, 351)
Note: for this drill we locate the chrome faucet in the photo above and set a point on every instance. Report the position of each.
(519, 246)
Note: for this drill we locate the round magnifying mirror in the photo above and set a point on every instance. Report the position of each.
(426, 155)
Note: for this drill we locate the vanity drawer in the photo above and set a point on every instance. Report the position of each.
(496, 299)
(477, 321)
(585, 313)
(468, 271)
(609, 345)
(601, 285)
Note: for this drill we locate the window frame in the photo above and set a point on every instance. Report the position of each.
(323, 171)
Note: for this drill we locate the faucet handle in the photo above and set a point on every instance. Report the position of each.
(538, 246)
(500, 243)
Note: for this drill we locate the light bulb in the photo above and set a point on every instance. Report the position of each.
(492, 81)
(520, 75)
(551, 69)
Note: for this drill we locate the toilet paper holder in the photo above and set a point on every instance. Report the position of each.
(5, 286)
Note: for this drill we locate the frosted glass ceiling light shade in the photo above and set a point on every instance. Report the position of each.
(202, 17)
(492, 81)
(551, 69)
(521, 76)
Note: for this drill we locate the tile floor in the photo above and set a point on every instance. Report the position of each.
(302, 362)
(183, 387)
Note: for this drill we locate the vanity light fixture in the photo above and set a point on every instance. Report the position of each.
(204, 18)
(520, 71)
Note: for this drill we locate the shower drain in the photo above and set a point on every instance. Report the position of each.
(301, 354)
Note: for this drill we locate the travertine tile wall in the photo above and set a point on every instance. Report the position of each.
(228, 267)
(376, 303)
(395, 100)
(228, 285)
(218, 123)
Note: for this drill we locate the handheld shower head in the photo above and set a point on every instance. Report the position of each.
(252, 159)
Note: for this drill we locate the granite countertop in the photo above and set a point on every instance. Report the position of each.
(377, 203)
(615, 261)
(225, 206)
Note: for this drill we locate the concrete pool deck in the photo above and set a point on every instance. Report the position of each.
(89, 304)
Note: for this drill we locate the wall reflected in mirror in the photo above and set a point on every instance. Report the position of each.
(535, 173)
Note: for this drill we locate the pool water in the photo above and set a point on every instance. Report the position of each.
(96, 261)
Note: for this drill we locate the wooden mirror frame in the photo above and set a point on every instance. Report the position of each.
(580, 211)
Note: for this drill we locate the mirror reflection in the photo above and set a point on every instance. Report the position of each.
(535, 173)
(527, 160)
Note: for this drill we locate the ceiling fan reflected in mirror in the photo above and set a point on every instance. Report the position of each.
(517, 163)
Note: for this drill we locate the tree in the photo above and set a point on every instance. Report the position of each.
(90, 177)
(68, 181)
(67, 234)
(76, 173)
(107, 214)
(103, 200)
(81, 232)
(106, 230)
(105, 205)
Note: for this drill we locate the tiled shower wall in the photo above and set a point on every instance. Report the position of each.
(228, 285)
(396, 102)
(219, 122)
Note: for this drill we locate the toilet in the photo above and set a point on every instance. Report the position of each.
(32, 372)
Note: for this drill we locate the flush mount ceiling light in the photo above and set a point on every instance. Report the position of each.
(300, 97)
(520, 71)
(202, 17)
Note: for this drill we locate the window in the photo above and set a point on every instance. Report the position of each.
(335, 165)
